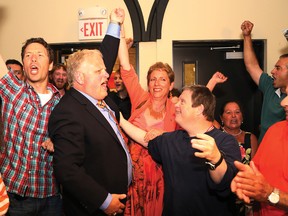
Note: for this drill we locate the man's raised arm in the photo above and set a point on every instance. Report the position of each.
(250, 60)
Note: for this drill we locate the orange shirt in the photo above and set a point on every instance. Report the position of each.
(4, 200)
(272, 161)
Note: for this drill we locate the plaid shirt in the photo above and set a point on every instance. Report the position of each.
(25, 166)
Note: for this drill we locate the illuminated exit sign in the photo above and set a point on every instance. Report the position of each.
(92, 29)
(93, 23)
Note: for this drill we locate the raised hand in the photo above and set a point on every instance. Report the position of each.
(218, 77)
(246, 28)
(117, 15)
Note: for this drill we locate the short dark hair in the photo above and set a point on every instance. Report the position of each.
(284, 56)
(222, 108)
(202, 95)
(14, 61)
(42, 42)
(175, 92)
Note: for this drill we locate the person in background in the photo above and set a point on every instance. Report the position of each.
(26, 160)
(232, 118)
(16, 67)
(151, 109)
(273, 88)
(197, 161)
(121, 97)
(58, 77)
(265, 180)
(174, 95)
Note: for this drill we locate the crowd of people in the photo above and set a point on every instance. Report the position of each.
(72, 147)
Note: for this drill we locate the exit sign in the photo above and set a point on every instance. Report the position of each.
(92, 29)
(93, 23)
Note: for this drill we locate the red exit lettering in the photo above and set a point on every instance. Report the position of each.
(93, 29)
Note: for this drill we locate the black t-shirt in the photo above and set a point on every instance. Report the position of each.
(124, 105)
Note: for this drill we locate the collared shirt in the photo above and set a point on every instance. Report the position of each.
(25, 166)
(278, 92)
(272, 111)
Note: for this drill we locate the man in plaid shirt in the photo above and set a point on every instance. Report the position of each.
(26, 106)
(25, 163)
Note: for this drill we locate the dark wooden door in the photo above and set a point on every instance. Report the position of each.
(225, 56)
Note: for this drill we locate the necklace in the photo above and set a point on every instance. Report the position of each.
(210, 128)
(155, 114)
(236, 134)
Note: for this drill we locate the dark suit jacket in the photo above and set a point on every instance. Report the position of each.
(89, 160)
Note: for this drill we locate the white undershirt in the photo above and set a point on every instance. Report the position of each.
(44, 98)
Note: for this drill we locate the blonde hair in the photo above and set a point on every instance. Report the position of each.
(77, 58)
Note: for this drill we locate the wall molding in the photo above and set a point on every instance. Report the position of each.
(155, 20)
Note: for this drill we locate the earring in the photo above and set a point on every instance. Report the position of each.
(170, 95)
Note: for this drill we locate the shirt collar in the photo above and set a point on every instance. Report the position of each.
(91, 99)
(278, 92)
(50, 87)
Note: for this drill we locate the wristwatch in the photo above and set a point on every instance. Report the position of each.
(274, 197)
(212, 166)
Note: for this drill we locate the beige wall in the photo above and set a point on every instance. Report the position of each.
(57, 22)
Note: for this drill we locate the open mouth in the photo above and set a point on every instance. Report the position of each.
(34, 69)
(157, 89)
(104, 85)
